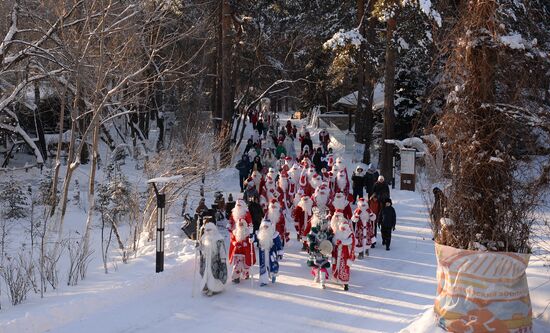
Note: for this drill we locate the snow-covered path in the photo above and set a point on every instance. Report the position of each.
(388, 290)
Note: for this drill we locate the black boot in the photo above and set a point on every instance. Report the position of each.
(346, 287)
(237, 280)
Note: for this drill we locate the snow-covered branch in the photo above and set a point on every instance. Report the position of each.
(11, 32)
(343, 38)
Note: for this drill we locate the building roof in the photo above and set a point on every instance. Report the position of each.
(350, 100)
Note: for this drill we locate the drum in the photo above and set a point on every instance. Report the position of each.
(325, 248)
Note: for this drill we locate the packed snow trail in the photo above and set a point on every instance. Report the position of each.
(387, 290)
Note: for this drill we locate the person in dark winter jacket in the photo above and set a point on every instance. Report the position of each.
(381, 189)
(370, 178)
(260, 127)
(256, 211)
(317, 160)
(387, 223)
(257, 164)
(307, 142)
(357, 183)
(288, 127)
(244, 166)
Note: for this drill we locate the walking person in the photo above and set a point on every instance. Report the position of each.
(280, 150)
(257, 164)
(244, 166)
(370, 178)
(307, 142)
(381, 189)
(260, 127)
(387, 223)
(324, 139)
(357, 183)
(318, 159)
(213, 260)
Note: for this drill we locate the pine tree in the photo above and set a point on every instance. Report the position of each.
(13, 200)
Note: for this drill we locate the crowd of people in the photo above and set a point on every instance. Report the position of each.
(335, 215)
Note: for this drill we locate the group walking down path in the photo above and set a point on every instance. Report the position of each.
(271, 287)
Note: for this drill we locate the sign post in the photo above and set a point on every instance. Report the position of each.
(408, 169)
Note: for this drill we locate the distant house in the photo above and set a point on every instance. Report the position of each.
(348, 104)
(350, 101)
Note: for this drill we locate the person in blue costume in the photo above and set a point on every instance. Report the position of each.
(270, 250)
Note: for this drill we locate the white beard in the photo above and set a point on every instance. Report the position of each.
(240, 233)
(310, 173)
(321, 200)
(209, 243)
(283, 183)
(273, 215)
(270, 186)
(257, 180)
(265, 238)
(238, 213)
(315, 182)
(335, 222)
(306, 205)
(294, 174)
(341, 180)
(342, 235)
(340, 202)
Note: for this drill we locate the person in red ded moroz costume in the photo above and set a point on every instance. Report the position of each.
(302, 214)
(343, 252)
(241, 251)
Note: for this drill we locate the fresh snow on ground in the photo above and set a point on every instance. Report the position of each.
(389, 290)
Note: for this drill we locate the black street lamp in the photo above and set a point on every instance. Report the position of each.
(161, 219)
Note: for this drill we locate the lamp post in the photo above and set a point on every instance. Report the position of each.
(161, 219)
